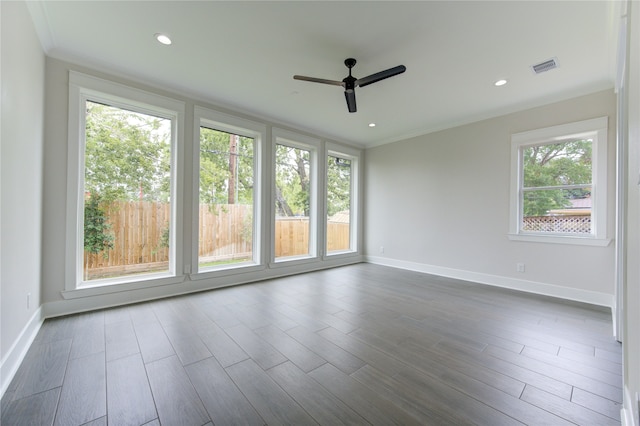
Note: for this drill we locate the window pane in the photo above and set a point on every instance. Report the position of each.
(292, 201)
(127, 181)
(557, 211)
(226, 198)
(338, 204)
(566, 163)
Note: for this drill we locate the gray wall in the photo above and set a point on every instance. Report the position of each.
(22, 82)
(440, 203)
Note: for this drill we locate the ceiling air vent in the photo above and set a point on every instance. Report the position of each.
(545, 66)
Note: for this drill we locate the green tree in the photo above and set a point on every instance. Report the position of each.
(226, 168)
(292, 181)
(127, 154)
(338, 185)
(97, 231)
(552, 165)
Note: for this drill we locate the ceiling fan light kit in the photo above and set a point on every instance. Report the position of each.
(350, 83)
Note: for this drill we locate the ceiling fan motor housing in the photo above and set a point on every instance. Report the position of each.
(350, 62)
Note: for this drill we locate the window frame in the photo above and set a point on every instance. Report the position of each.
(597, 129)
(313, 145)
(126, 95)
(83, 88)
(353, 155)
(243, 127)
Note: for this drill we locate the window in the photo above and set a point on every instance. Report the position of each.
(294, 191)
(122, 184)
(126, 194)
(560, 183)
(341, 178)
(228, 214)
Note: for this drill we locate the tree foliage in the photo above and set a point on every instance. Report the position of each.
(292, 181)
(127, 154)
(226, 168)
(338, 185)
(554, 165)
(97, 231)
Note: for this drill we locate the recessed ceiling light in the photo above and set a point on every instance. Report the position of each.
(500, 83)
(372, 124)
(163, 38)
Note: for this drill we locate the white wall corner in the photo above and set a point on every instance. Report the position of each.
(627, 416)
(18, 350)
(567, 293)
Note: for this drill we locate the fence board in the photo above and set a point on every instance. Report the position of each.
(137, 228)
(217, 236)
(338, 236)
(224, 234)
(291, 236)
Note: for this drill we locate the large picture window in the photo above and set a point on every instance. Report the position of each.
(295, 203)
(560, 176)
(122, 184)
(127, 197)
(228, 196)
(127, 189)
(340, 190)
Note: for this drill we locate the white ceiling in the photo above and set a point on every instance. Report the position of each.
(243, 55)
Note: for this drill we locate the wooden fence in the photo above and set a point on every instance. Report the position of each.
(338, 236)
(137, 228)
(141, 230)
(574, 224)
(292, 236)
(225, 232)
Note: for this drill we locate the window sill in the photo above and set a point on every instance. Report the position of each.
(224, 271)
(340, 254)
(293, 260)
(113, 286)
(559, 239)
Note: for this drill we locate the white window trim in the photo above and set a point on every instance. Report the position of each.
(336, 150)
(228, 123)
(316, 238)
(83, 87)
(596, 128)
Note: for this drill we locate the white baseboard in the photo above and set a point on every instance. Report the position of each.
(578, 295)
(18, 350)
(75, 305)
(627, 416)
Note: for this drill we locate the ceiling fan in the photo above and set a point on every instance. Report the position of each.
(350, 83)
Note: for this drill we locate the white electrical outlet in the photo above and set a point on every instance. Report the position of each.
(381, 249)
(520, 267)
(187, 269)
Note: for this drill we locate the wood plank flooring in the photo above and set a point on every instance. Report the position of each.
(362, 344)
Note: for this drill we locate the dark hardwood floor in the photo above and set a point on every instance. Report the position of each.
(362, 344)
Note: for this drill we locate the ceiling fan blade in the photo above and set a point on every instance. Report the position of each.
(350, 96)
(317, 80)
(370, 79)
